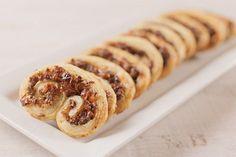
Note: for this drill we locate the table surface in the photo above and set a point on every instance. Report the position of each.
(204, 126)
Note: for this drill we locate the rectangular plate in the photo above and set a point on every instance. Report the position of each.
(158, 101)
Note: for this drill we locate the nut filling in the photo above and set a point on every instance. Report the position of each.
(230, 26)
(113, 79)
(172, 29)
(195, 32)
(59, 81)
(131, 50)
(158, 34)
(210, 30)
(143, 33)
(165, 54)
(125, 64)
(82, 117)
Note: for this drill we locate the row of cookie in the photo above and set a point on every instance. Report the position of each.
(83, 93)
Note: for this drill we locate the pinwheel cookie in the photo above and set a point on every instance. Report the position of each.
(142, 49)
(139, 72)
(82, 94)
(70, 94)
(110, 95)
(200, 32)
(118, 78)
(167, 51)
(228, 24)
(218, 28)
(168, 35)
(184, 33)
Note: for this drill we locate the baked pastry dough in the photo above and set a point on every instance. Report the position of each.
(199, 31)
(139, 72)
(142, 49)
(217, 28)
(120, 81)
(168, 53)
(169, 36)
(82, 94)
(110, 94)
(72, 94)
(86, 110)
(40, 93)
(185, 34)
(229, 25)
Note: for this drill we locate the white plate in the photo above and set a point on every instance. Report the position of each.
(162, 98)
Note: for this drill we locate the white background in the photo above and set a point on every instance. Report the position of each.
(31, 29)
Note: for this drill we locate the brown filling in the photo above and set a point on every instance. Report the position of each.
(131, 50)
(82, 117)
(165, 54)
(113, 79)
(68, 84)
(212, 33)
(230, 27)
(163, 50)
(124, 63)
(128, 48)
(210, 30)
(158, 34)
(171, 28)
(195, 32)
(49, 93)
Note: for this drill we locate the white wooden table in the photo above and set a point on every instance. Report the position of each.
(204, 126)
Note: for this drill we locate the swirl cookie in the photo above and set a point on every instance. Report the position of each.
(184, 33)
(110, 94)
(200, 32)
(84, 93)
(216, 27)
(229, 24)
(168, 53)
(142, 49)
(119, 80)
(167, 35)
(139, 72)
(68, 93)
